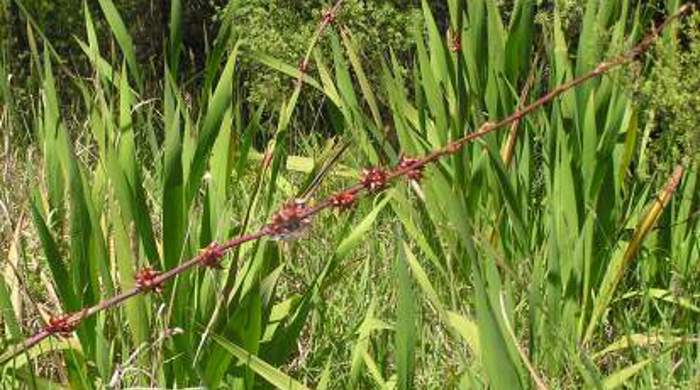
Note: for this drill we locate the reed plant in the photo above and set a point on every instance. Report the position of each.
(522, 249)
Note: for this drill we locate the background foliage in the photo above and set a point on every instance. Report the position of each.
(670, 93)
(284, 29)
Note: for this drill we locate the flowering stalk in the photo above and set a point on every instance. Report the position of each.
(328, 17)
(295, 216)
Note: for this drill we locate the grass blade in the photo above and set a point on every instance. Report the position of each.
(274, 376)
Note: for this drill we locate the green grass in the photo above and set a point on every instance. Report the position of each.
(562, 267)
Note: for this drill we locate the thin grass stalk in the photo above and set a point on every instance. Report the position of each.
(294, 216)
(508, 149)
(536, 377)
(327, 19)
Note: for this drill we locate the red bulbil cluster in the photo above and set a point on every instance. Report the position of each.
(415, 169)
(62, 325)
(344, 200)
(303, 65)
(289, 221)
(453, 147)
(328, 17)
(373, 179)
(455, 42)
(146, 280)
(211, 256)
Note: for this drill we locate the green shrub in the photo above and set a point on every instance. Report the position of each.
(283, 29)
(670, 94)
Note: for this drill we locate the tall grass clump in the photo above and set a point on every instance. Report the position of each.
(178, 242)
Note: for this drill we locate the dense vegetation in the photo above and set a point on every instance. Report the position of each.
(559, 251)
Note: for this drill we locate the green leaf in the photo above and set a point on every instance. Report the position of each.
(280, 66)
(467, 329)
(44, 347)
(519, 40)
(362, 79)
(136, 312)
(354, 238)
(121, 34)
(59, 272)
(7, 311)
(359, 350)
(325, 379)
(406, 332)
(622, 376)
(499, 362)
(271, 374)
(175, 41)
(218, 105)
(173, 201)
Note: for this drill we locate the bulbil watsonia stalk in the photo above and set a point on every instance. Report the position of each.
(295, 216)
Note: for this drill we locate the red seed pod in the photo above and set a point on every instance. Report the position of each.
(146, 280)
(414, 172)
(289, 222)
(344, 200)
(373, 179)
(211, 256)
(62, 325)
